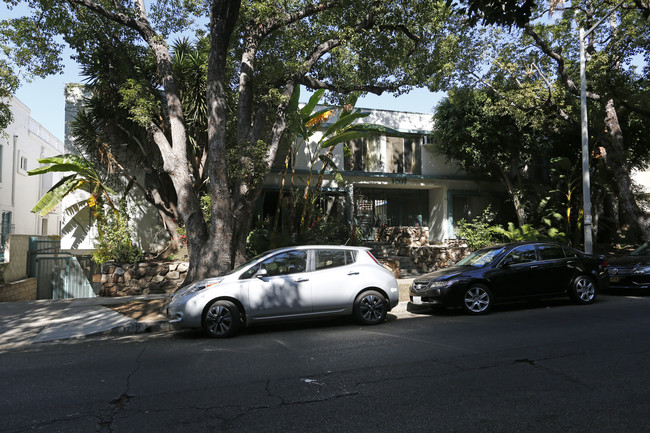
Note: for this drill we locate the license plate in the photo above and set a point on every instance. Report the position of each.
(614, 279)
(417, 299)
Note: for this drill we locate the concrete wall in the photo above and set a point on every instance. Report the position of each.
(22, 144)
(16, 258)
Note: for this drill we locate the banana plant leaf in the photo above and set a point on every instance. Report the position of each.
(54, 196)
(337, 173)
(313, 101)
(344, 121)
(343, 137)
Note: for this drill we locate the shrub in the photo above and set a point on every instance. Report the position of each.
(528, 233)
(478, 233)
(115, 242)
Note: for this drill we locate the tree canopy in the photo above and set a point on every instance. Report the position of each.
(258, 52)
(533, 68)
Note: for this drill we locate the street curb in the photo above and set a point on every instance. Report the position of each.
(134, 328)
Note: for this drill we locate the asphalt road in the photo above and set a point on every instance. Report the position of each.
(554, 367)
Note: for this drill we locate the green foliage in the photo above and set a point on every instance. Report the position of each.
(138, 100)
(115, 241)
(324, 230)
(528, 233)
(478, 233)
(327, 231)
(206, 207)
(336, 126)
(84, 178)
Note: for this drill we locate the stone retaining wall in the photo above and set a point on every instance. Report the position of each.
(433, 257)
(413, 242)
(403, 238)
(141, 278)
(21, 290)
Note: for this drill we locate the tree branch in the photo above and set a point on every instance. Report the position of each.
(559, 60)
(291, 18)
(118, 17)
(645, 8)
(313, 83)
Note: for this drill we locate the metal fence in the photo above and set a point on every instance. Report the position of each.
(60, 275)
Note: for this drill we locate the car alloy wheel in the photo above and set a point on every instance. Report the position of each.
(477, 300)
(221, 319)
(370, 308)
(583, 290)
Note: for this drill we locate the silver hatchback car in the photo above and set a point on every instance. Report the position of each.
(310, 281)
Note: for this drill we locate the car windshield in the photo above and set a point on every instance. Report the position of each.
(243, 265)
(480, 258)
(643, 250)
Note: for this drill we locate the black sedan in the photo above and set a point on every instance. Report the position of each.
(511, 272)
(631, 271)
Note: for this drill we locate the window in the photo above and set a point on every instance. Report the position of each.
(290, 262)
(524, 254)
(550, 252)
(333, 258)
(570, 252)
(22, 163)
(403, 155)
(363, 154)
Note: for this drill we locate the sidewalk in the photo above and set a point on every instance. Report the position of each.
(30, 322)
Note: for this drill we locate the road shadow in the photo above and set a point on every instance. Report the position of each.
(530, 304)
(298, 325)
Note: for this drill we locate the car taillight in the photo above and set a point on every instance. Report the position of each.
(373, 257)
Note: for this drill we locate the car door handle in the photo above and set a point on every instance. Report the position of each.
(302, 280)
(353, 273)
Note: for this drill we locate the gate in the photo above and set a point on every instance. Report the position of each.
(59, 275)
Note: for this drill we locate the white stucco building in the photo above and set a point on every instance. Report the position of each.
(396, 180)
(22, 144)
(388, 180)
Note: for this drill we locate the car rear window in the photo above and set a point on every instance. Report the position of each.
(333, 258)
(550, 252)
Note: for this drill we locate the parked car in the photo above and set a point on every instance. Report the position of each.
(631, 271)
(511, 272)
(289, 283)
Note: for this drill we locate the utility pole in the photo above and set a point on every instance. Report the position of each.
(586, 181)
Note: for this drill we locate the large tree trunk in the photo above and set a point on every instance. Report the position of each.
(215, 255)
(514, 196)
(635, 222)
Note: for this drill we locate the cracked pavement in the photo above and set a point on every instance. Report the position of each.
(556, 367)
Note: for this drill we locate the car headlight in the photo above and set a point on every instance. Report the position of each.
(195, 287)
(441, 284)
(642, 270)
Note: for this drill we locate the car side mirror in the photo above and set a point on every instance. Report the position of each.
(261, 273)
(507, 262)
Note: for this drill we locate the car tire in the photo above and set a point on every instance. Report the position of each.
(370, 308)
(583, 290)
(477, 299)
(221, 319)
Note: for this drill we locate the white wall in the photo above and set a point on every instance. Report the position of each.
(77, 233)
(23, 143)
